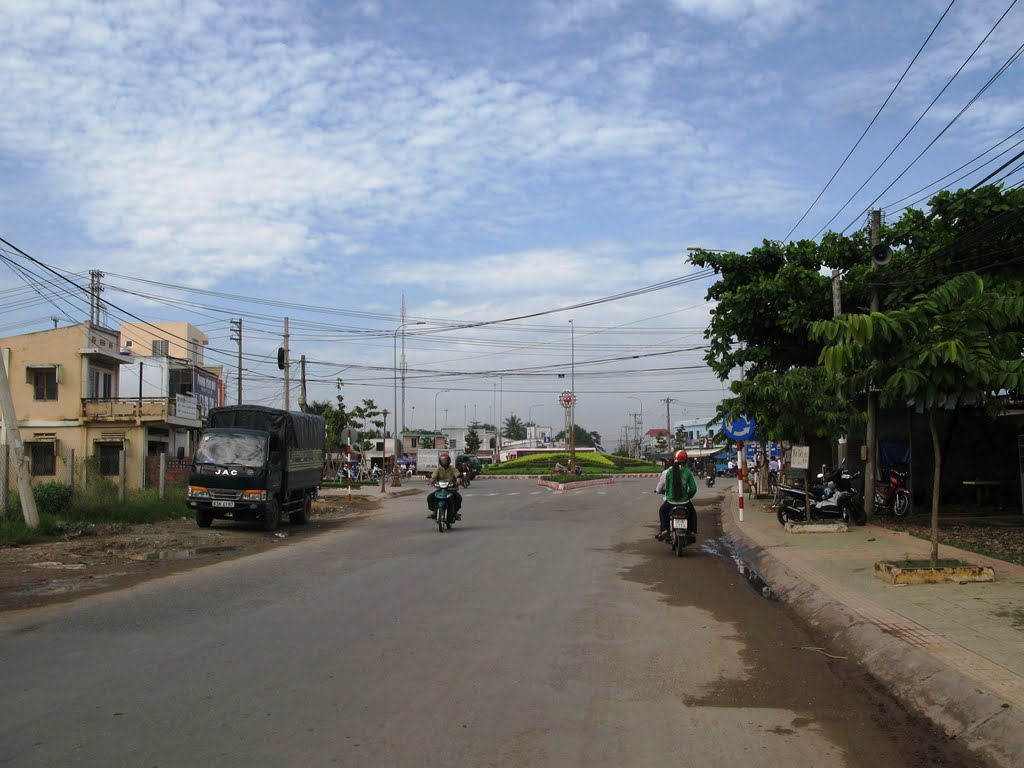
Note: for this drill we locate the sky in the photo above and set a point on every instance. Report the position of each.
(493, 165)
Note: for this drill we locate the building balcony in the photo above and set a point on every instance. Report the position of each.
(180, 410)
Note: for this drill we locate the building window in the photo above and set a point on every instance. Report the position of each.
(414, 442)
(101, 384)
(44, 459)
(44, 383)
(110, 458)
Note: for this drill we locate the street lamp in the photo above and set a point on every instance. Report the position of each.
(400, 422)
(435, 407)
(572, 405)
(630, 397)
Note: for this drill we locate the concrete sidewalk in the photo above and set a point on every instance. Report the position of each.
(954, 653)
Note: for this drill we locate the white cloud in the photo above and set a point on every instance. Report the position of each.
(757, 18)
(235, 138)
(556, 17)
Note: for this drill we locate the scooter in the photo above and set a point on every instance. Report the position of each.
(831, 498)
(709, 480)
(445, 497)
(679, 534)
(893, 497)
(467, 476)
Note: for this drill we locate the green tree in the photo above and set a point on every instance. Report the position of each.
(514, 428)
(472, 441)
(958, 343)
(765, 301)
(583, 438)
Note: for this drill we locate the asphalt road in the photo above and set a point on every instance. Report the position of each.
(546, 629)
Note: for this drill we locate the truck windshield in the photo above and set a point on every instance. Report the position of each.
(235, 448)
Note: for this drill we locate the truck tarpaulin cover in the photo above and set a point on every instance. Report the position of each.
(296, 430)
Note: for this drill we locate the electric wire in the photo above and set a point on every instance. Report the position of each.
(873, 119)
(917, 122)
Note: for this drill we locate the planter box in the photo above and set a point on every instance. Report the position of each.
(816, 527)
(916, 573)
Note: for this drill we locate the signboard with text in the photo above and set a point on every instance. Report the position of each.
(800, 457)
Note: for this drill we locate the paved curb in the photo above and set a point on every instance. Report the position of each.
(572, 486)
(958, 705)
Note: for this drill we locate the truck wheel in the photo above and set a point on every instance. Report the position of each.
(302, 516)
(271, 515)
(204, 518)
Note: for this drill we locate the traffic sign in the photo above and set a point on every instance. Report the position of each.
(739, 427)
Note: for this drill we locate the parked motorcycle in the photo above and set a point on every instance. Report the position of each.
(894, 497)
(445, 497)
(679, 534)
(831, 498)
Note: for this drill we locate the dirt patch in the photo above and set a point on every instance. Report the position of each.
(99, 558)
(998, 536)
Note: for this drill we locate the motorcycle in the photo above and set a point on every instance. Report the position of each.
(445, 497)
(894, 497)
(679, 520)
(709, 480)
(831, 498)
(467, 476)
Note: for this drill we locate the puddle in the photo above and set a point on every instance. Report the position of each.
(722, 547)
(179, 554)
(63, 587)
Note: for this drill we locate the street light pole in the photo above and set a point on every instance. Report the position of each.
(572, 405)
(435, 407)
(400, 421)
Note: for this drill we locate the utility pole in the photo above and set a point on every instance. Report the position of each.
(837, 310)
(302, 391)
(95, 289)
(28, 501)
(236, 335)
(872, 427)
(287, 400)
(668, 422)
(384, 451)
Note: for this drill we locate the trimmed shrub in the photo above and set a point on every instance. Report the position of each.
(52, 499)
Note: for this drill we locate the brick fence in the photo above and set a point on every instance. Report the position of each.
(177, 471)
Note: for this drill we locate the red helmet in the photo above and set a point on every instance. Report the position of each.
(680, 457)
(444, 460)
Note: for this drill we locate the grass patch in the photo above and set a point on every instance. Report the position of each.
(14, 531)
(544, 464)
(96, 503)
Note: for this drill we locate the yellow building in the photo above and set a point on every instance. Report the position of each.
(66, 384)
(181, 340)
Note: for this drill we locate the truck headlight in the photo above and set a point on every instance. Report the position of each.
(198, 492)
(254, 495)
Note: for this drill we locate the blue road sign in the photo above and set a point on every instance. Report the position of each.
(739, 428)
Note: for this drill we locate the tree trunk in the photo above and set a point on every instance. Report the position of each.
(936, 481)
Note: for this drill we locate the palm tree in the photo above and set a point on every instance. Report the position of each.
(514, 428)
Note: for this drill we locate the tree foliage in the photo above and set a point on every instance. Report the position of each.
(472, 441)
(514, 428)
(961, 342)
(583, 437)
